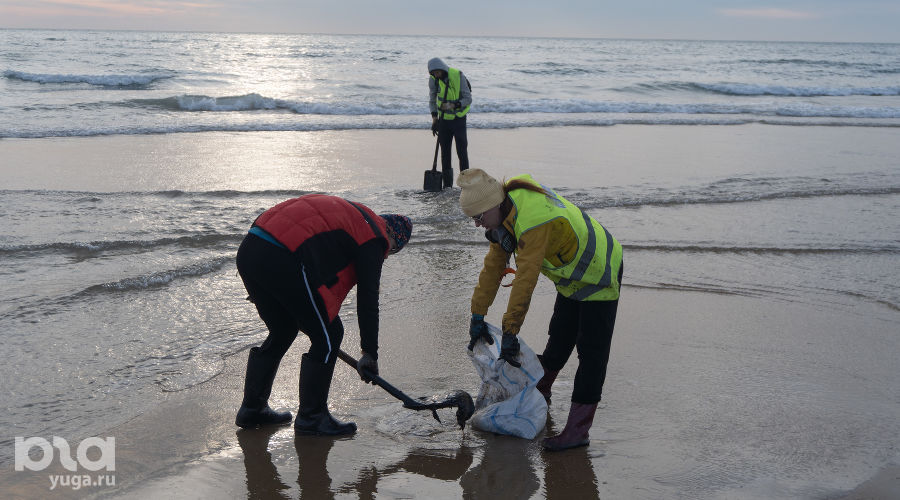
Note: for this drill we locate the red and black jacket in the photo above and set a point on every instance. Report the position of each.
(341, 245)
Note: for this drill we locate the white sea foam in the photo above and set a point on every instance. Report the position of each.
(101, 80)
(534, 120)
(231, 103)
(250, 102)
(749, 89)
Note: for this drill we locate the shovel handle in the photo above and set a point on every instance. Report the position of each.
(408, 402)
(437, 144)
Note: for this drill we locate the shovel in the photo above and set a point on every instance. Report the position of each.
(461, 400)
(433, 179)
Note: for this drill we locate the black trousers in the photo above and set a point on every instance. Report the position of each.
(587, 325)
(276, 283)
(448, 130)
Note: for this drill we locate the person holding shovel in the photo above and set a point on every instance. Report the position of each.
(298, 262)
(551, 236)
(450, 97)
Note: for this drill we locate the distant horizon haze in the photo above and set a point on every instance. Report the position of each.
(790, 21)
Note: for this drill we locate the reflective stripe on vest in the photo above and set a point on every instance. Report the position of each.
(533, 210)
(585, 261)
(452, 94)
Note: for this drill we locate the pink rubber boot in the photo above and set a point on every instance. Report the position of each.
(581, 416)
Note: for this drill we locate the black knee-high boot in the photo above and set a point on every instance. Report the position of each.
(447, 177)
(313, 416)
(257, 388)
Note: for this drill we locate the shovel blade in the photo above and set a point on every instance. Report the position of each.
(433, 181)
(461, 400)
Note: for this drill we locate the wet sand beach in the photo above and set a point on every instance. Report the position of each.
(671, 419)
(710, 393)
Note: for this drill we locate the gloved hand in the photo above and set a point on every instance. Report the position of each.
(367, 364)
(509, 349)
(478, 330)
(449, 106)
(434, 126)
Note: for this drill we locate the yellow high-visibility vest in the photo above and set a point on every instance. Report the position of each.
(594, 272)
(452, 95)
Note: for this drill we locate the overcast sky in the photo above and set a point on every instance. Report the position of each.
(806, 20)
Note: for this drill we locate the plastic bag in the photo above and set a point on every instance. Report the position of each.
(508, 402)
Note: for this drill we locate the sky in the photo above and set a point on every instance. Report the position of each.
(777, 20)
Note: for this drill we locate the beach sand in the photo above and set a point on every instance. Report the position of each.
(188, 446)
(697, 390)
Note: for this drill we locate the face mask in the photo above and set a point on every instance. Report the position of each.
(502, 237)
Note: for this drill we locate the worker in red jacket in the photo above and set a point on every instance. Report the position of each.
(298, 263)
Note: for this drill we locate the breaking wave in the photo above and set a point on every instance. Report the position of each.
(137, 80)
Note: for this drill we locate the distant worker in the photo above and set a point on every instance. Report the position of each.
(551, 236)
(298, 263)
(450, 99)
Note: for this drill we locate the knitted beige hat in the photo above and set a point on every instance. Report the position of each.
(480, 192)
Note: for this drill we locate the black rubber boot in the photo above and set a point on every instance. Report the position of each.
(448, 178)
(313, 417)
(255, 409)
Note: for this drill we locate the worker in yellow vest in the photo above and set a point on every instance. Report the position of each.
(548, 235)
(449, 101)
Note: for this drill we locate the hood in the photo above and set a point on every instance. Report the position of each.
(437, 63)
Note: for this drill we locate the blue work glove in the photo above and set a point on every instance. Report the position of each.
(509, 349)
(478, 330)
(367, 365)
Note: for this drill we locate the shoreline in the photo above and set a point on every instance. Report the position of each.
(884, 485)
(156, 162)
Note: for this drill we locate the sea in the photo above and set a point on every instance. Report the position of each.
(115, 292)
(83, 83)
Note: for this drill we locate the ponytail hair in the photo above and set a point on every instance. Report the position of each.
(522, 184)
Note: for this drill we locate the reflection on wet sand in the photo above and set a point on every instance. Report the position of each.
(263, 480)
(508, 468)
(435, 464)
(567, 474)
(505, 470)
(312, 469)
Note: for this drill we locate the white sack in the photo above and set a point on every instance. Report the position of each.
(508, 402)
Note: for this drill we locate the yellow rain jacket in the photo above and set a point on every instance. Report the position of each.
(547, 235)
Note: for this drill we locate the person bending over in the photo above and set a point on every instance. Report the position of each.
(551, 236)
(298, 262)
